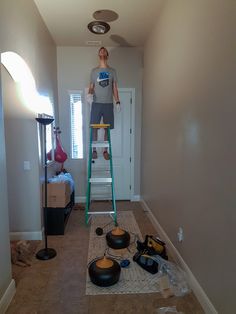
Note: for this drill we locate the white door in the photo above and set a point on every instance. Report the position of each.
(121, 153)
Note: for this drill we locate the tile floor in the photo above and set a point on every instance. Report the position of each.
(57, 286)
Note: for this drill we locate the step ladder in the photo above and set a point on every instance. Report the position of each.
(103, 180)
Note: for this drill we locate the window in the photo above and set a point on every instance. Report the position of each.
(49, 138)
(76, 125)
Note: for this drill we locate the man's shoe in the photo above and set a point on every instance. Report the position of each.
(106, 155)
(94, 154)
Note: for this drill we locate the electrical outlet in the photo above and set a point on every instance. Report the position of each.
(27, 165)
(180, 234)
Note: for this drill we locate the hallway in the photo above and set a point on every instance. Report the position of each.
(58, 286)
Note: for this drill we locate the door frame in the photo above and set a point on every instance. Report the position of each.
(132, 137)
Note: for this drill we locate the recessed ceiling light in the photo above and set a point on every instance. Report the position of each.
(99, 27)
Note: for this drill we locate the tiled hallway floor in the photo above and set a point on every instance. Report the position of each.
(58, 286)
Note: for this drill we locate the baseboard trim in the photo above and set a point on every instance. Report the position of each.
(194, 284)
(80, 199)
(135, 198)
(31, 235)
(7, 296)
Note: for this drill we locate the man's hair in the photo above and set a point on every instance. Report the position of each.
(103, 48)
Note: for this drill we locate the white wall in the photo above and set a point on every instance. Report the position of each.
(74, 66)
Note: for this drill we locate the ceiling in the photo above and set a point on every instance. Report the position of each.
(67, 21)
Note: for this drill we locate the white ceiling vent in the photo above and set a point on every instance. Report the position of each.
(94, 43)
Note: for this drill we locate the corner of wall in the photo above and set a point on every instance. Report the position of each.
(200, 294)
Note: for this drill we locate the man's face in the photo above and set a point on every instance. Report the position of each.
(103, 54)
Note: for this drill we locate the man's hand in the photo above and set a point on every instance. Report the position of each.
(118, 106)
(89, 98)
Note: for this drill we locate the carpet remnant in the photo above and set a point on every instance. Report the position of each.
(19, 267)
(133, 279)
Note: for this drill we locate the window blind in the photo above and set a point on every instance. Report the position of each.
(76, 125)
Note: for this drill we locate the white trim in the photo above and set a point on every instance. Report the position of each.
(135, 198)
(203, 299)
(80, 199)
(31, 235)
(132, 138)
(132, 143)
(7, 297)
(80, 92)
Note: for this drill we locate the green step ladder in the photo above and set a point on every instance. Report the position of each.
(100, 180)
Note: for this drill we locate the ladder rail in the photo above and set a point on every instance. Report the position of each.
(88, 196)
(100, 180)
(112, 175)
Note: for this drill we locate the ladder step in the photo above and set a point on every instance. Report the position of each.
(100, 180)
(100, 126)
(103, 177)
(101, 213)
(101, 174)
(101, 171)
(100, 144)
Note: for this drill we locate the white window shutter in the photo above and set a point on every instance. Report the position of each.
(76, 125)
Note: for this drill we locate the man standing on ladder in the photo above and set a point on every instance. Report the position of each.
(102, 88)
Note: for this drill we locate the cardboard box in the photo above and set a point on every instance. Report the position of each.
(58, 194)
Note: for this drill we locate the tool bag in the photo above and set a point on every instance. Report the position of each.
(150, 247)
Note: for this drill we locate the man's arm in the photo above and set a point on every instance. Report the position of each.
(91, 88)
(89, 96)
(115, 92)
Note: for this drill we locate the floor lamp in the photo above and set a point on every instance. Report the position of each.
(46, 253)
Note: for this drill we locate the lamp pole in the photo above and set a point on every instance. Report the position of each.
(46, 253)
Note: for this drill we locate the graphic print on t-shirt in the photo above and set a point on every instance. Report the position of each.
(103, 79)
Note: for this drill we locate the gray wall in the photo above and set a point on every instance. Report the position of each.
(31, 40)
(22, 31)
(5, 261)
(188, 137)
(74, 66)
(21, 144)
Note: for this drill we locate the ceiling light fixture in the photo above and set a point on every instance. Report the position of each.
(105, 15)
(99, 27)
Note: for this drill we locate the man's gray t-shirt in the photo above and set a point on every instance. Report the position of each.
(103, 79)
